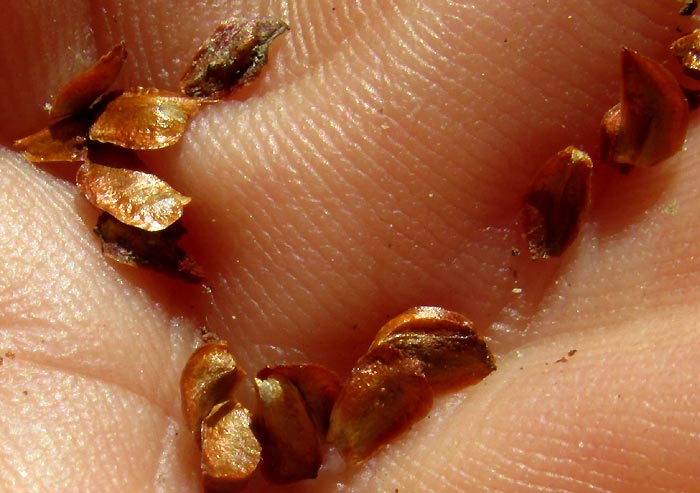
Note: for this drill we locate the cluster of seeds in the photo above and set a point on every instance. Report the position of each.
(646, 127)
(102, 130)
(299, 408)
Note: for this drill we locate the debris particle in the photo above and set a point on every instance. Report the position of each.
(564, 359)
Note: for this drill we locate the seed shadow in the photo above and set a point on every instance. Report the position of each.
(64, 171)
(620, 199)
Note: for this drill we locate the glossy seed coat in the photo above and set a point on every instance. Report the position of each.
(144, 119)
(445, 341)
(230, 450)
(650, 123)
(290, 442)
(386, 393)
(557, 202)
(135, 198)
(687, 50)
(318, 386)
(210, 376)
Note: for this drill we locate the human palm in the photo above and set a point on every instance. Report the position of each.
(378, 163)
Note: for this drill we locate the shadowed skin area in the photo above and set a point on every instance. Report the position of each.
(379, 162)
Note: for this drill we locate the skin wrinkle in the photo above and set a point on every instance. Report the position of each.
(70, 364)
(312, 172)
(325, 224)
(360, 20)
(539, 479)
(370, 144)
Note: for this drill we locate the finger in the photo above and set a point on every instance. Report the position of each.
(89, 362)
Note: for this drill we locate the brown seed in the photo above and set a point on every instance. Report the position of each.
(319, 387)
(80, 92)
(689, 7)
(687, 50)
(135, 198)
(155, 250)
(230, 451)
(233, 56)
(210, 376)
(650, 123)
(386, 393)
(144, 119)
(291, 449)
(557, 202)
(64, 140)
(453, 354)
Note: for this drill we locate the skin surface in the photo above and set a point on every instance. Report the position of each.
(378, 163)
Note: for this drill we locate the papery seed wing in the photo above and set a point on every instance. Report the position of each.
(62, 141)
(135, 198)
(80, 92)
(144, 119)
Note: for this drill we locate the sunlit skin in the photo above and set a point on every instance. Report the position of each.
(380, 162)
